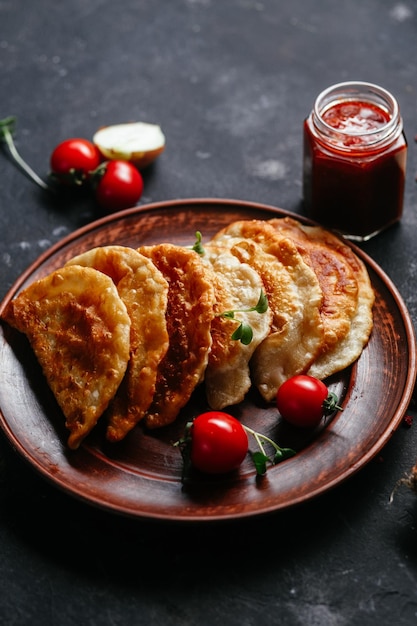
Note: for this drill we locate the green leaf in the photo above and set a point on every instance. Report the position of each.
(260, 460)
(262, 305)
(243, 333)
(283, 453)
(198, 246)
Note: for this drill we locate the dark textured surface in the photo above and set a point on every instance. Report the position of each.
(230, 83)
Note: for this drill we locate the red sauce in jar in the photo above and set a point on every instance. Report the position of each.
(355, 117)
(354, 167)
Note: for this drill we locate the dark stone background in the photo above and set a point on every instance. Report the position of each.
(230, 83)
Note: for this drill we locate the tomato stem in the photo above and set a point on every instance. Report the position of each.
(331, 404)
(7, 126)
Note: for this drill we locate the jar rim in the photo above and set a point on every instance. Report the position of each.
(355, 90)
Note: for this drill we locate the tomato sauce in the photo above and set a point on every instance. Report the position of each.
(354, 167)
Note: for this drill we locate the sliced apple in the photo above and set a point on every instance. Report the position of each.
(138, 142)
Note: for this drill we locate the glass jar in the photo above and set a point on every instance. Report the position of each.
(354, 160)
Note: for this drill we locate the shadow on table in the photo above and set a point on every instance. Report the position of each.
(98, 544)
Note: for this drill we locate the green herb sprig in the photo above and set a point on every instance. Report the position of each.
(244, 332)
(198, 246)
(261, 458)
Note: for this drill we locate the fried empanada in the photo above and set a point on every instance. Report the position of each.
(79, 330)
(335, 275)
(189, 315)
(237, 287)
(348, 294)
(114, 261)
(296, 336)
(144, 291)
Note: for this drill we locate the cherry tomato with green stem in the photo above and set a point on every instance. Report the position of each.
(219, 443)
(117, 185)
(304, 400)
(73, 160)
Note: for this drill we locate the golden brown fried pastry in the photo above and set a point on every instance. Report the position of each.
(79, 329)
(296, 336)
(115, 261)
(336, 277)
(347, 290)
(189, 315)
(237, 287)
(144, 291)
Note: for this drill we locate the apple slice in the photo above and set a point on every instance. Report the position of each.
(138, 142)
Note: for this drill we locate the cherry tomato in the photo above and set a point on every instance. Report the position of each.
(73, 159)
(301, 400)
(119, 187)
(219, 443)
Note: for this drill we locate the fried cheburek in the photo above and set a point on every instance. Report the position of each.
(79, 329)
(129, 334)
(144, 291)
(347, 291)
(237, 288)
(335, 275)
(294, 296)
(189, 315)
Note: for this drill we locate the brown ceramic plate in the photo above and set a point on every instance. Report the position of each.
(141, 476)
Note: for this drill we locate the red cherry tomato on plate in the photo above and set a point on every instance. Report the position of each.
(73, 159)
(219, 443)
(301, 400)
(119, 187)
